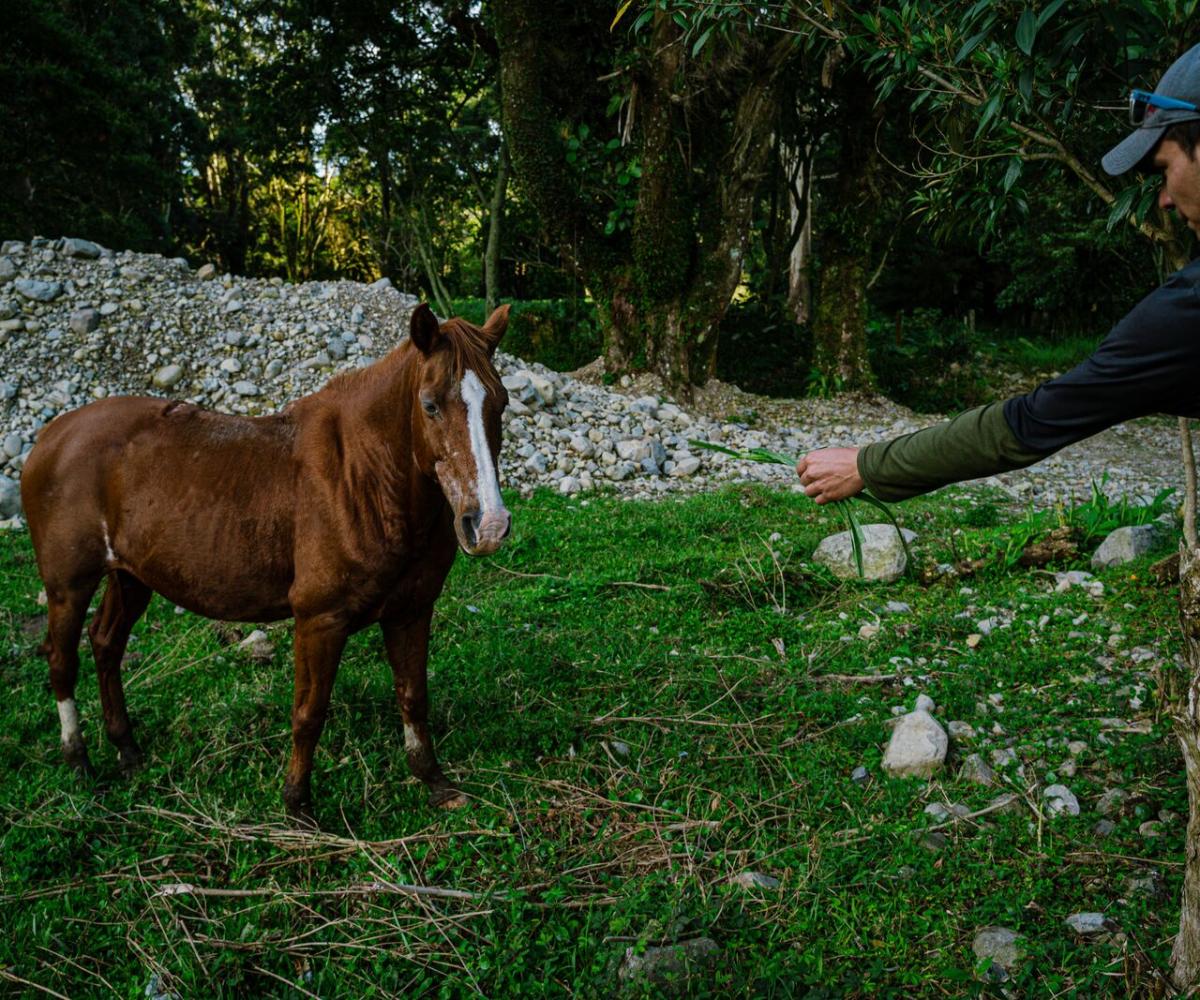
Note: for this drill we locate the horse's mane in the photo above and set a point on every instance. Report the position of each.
(468, 347)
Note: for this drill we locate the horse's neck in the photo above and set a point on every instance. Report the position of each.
(379, 416)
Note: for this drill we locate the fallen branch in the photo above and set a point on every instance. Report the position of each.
(5, 974)
(664, 720)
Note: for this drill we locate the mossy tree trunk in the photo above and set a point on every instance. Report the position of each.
(491, 257)
(840, 317)
(690, 140)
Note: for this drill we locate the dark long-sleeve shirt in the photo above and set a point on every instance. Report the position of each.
(1148, 363)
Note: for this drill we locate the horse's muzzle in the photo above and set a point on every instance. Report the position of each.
(482, 534)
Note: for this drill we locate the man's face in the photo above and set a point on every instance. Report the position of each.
(1181, 182)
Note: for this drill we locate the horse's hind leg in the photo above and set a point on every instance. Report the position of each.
(125, 599)
(66, 609)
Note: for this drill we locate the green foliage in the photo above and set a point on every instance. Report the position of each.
(1044, 357)
(90, 121)
(762, 351)
(562, 334)
(1086, 524)
(901, 347)
(1009, 91)
(628, 749)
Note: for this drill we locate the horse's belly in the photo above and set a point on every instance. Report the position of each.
(224, 551)
(212, 574)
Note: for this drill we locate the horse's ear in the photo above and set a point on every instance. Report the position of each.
(494, 328)
(423, 328)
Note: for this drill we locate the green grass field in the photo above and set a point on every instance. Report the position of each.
(644, 700)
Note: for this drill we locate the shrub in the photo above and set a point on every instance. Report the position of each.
(926, 360)
(762, 351)
(562, 334)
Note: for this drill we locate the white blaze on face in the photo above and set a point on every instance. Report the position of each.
(487, 485)
(108, 552)
(68, 716)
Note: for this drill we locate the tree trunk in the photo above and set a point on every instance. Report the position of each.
(798, 164)
(675, 339)
(1185, 713)
(664, 265)
(491, 256)
(840, 321)
(1185, 956)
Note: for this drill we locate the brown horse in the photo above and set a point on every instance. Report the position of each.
(344, 509)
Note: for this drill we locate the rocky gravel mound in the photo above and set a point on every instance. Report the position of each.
(79, 322)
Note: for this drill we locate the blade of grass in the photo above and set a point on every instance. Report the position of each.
(880, 506)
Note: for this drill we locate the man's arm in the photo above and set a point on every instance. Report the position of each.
(1148, 363)
(976, 443)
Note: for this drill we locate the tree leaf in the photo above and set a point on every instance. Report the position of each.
(975, 11)
(1027, 29)
(1025, 83)
(620, 13)
(971, 43)
(1012, 174)
(988, 113)
(701, 40)
(1120, 207)
(1049, 12)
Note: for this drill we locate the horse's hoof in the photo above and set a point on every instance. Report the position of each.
(130, 759)
(76, 756)
(299, 809)
(447, 798)
(304, 819)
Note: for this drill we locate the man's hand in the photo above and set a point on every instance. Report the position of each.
(830, 474)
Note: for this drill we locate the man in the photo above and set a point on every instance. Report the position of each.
(1149, 362)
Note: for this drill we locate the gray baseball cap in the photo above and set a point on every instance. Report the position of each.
(1182, 82)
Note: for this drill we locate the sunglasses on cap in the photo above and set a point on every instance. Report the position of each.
(1141, 101)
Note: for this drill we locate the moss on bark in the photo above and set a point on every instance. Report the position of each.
(663, 283)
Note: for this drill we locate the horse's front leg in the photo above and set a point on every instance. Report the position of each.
(318, 650)
(407, 643)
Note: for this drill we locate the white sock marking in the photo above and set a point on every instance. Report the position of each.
(487, 485)
(68, 716)
(412, 741)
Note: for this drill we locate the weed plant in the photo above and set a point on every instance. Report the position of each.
(644, 701)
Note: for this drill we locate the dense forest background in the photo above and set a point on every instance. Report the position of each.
(807, 196)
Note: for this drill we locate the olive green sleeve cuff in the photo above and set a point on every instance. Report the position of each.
(974, 444)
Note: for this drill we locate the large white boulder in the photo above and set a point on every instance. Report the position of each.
(883, 553)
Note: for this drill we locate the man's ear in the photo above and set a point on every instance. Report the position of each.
(494, 328)
(423, 328)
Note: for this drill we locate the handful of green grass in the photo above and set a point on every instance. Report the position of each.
(844, 507)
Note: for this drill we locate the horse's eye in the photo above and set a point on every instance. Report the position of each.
(430, 407)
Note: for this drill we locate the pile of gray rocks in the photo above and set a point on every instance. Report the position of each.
(79, 322)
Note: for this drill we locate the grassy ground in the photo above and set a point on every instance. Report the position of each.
(641, 699)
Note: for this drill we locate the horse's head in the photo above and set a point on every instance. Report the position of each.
(456, 420)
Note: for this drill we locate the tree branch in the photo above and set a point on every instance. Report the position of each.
(1189, 488)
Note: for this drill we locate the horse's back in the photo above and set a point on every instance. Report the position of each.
(66, 468)
(171, 492)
